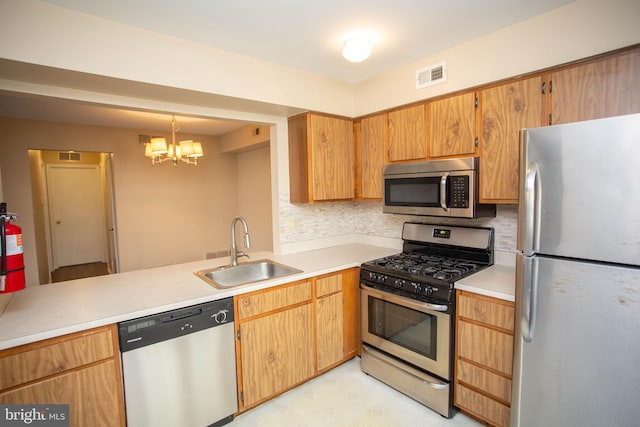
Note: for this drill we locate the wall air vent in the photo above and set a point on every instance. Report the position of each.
(69, 155)
(431, 75)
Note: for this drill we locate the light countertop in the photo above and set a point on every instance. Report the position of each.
(497, 281)
(42, 312)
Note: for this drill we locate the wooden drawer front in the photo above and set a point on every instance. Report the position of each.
(486, 346)
(486, 311)
(495, 385)
(33, 361)
(328, 285)
(482, 406)
(90, 392)
(273, 299)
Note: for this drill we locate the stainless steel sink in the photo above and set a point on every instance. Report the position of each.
(249, 272)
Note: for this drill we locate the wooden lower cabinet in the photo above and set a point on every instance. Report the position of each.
(277, 353)
(288, 334)
(274, 341)
(80, 369)
(484, 357)
(337, 317)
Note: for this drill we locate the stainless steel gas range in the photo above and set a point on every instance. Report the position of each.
(408, 309)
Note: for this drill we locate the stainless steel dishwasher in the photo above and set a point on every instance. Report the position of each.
(179, 367)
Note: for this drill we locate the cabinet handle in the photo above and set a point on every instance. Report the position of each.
(544, 88)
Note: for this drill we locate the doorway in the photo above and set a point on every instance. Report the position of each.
(74, 214)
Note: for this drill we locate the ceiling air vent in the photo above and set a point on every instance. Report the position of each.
(69, 155)
(431, 75)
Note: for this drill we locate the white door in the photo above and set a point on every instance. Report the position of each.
(112, 240)
(76, 214)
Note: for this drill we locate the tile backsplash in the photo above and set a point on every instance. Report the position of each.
(305, 222)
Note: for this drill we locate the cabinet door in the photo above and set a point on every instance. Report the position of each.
(504, 110)
(407, 134)
(329, 330)
(332, 157)
(373, 135)
(351, 313)
(277, 353)
(604, 88)
(92, 394)
(452, 129)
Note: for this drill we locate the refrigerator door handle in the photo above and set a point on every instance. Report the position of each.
(530, 294)
(532, 211)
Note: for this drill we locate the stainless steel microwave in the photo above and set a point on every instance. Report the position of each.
(447, 188)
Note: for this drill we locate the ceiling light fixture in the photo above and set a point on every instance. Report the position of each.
(186, 151)
(356, 49)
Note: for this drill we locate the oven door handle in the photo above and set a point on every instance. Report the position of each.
(437, 307)
(417, 305)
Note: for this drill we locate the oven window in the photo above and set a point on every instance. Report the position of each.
(411, 329)
(412, 191)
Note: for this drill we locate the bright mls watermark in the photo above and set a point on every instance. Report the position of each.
(34, 415)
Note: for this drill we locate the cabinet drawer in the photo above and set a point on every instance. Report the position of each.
(273, 299)
(34, 361)
(486, 346)
(328, 285)
(91, 393)
(481, 406)
(487, 311)
(495, 385)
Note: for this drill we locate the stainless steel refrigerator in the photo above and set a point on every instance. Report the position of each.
(577, 338)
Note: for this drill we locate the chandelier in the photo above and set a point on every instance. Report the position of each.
(186, 151)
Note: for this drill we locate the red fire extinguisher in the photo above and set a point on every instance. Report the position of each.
(11, 253)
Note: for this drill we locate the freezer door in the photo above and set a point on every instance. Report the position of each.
(580, 367)
(580, 190)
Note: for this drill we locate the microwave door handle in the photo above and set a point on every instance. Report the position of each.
(443, 192)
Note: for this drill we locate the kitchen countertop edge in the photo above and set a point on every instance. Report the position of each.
(48, 311)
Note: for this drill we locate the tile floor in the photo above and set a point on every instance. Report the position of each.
(346, 397)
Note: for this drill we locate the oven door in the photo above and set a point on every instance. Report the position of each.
(414, 331)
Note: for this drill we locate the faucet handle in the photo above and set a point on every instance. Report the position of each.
(239, 254)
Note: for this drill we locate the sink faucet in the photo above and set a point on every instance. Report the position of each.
(234, 247)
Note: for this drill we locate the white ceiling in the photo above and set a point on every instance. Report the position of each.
(302, 34)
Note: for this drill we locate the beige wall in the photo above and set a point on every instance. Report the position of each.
(254, 184)
(70, 40)
(581, 29)
(165, 215)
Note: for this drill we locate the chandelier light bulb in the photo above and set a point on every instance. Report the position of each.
(356, 49)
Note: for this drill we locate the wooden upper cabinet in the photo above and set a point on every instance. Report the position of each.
(407, 134)
(601, 88)
(321, 158)
(452, 126)
(504, 110)
(370, 143)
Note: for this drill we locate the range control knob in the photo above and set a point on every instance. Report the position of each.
(373, 276)
(399, 283)
(428, 291)
(382, 278)
(417, 287)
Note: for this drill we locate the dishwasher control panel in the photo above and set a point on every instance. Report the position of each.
(149, 330)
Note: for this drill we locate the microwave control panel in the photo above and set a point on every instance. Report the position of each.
(459, 192)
